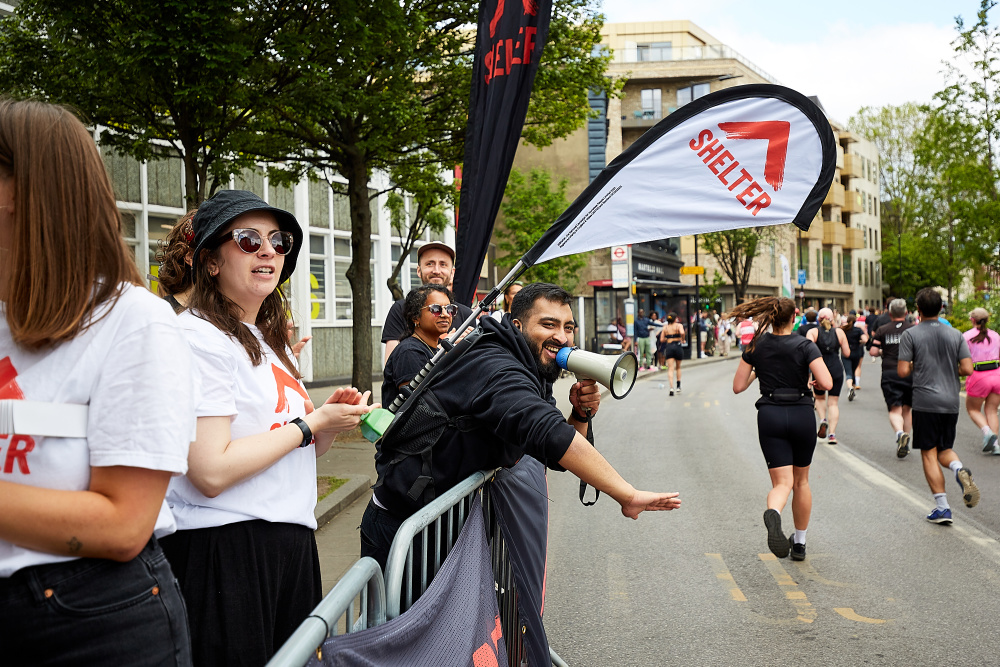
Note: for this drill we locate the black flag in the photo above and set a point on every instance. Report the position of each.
(508, 47)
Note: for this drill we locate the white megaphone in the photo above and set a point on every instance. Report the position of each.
(616, 373)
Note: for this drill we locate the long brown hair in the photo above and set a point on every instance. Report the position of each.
(849, 324)
(768, 311)
(66, 255)
(210, 304)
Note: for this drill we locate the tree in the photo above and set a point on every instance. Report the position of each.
(195, 75)
(709, 292)
(735, 250)
(529, 208)
(384, 83)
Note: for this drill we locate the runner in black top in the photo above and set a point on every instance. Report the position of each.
(831, 342)
(856, 339)
(672, 335)
(785, 420)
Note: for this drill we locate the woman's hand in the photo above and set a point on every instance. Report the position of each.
(341, 412)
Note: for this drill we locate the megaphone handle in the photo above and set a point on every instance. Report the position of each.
(590, 439)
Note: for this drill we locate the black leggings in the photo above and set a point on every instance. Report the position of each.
(787, 434)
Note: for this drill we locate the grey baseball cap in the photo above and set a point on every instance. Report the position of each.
(225, 206)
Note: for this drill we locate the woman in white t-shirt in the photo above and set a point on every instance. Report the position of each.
(82, 577)
(244, 551)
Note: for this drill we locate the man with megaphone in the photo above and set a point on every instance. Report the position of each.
(499, 395)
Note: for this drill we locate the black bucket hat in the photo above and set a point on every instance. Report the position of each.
(225, 206)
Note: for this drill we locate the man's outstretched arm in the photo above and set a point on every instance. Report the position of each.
(584, 461)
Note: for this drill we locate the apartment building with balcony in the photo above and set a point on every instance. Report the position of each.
(668, 64)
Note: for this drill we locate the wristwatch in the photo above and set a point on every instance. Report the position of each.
(307, 434)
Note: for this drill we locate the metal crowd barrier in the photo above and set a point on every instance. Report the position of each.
(355, 603)
(419, 549)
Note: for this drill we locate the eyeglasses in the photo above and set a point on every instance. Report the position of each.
(437, 309)
(250, 241)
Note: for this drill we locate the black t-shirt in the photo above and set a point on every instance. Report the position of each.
(395, 327)
(805, 328)
(887, 337)
(854, 335)
(782, 362)
(403, 364)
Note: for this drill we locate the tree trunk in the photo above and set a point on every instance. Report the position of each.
(359, 273)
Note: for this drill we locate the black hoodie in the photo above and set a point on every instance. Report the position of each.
(496, 384)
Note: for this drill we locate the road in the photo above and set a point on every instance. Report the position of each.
(698, 586)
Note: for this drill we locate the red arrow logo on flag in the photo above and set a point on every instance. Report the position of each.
(776, 133)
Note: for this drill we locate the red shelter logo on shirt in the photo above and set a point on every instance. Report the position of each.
(19, 445)
(285, 381)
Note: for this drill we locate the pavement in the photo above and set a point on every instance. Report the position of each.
(338, 516)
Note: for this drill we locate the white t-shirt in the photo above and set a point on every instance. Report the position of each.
(133, 368)
(256, 399)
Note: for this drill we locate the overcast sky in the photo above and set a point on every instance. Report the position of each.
(849, 53)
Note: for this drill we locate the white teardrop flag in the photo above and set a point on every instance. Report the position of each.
(746, 156)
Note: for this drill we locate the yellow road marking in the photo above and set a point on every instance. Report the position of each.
(850, 615)
(809, 572)
(707, 404)
(717, 402)
(806, 612)
(723, 574)
(687, 405)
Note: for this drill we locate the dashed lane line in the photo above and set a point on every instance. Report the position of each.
(804, 609)
(723, 574)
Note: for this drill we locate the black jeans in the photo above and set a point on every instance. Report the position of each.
(93, 611)
(378, 528)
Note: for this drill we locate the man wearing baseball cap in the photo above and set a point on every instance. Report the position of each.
(435, 265)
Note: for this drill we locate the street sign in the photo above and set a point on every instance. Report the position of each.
(692, 270)
(802, 276)
(619, 266)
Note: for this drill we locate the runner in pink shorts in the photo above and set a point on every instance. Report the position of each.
(982, 388)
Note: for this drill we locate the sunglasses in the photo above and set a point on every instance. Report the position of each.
(437, 309)
(250, 241)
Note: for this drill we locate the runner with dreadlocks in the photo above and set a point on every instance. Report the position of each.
(786, 424)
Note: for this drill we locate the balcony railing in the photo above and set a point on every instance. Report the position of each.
(633, 54)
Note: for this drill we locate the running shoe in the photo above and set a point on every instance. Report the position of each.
(831, 439)
(671, 392)
(678, 389)
(939, 516)
(970, 492)
(989, 443)
(902, 445)
(797, 551)
(776, 541)
(996, 450)
(821, 433)
(850, 396)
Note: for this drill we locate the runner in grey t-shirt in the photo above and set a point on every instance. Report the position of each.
(936, 351)
(935, 355)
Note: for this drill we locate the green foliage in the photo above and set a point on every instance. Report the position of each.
(709, 293)
(529, 208)
(735, 250)
(959, 315)
(192, 74)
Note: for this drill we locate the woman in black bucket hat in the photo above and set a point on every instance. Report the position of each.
(245, 553)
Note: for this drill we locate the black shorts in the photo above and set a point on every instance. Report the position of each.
(896, 390)
(787, 434)
(934, 430)
(673, 351)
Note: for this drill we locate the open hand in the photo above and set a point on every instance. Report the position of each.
(646, 501)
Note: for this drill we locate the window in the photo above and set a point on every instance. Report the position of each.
(847, 268)
(773, 261)
(877, 246)
(653, 52)
(163, 177)
(871, 272)
(860, 264)
(685, 95)
(804, 260)
(865, 266)
(828, 266)
(864, 235)
(840, 269)
(318, 276)
(819, 264)
(124, 172)
(651, 105)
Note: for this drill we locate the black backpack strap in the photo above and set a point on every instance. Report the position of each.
(583, 484)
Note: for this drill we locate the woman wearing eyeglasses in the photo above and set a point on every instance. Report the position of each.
(428, 312)
(244, 553)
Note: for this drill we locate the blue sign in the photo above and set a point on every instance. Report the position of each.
(802, 276)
